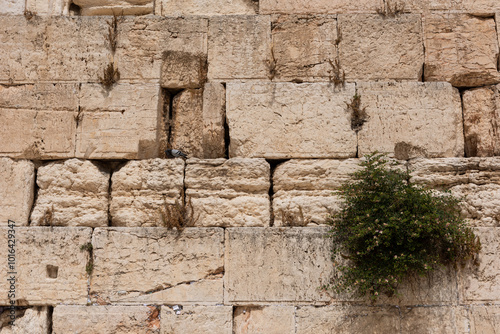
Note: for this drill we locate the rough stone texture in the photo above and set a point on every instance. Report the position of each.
(317, 6)
(38, 248)
(411, 119)
(98, 319)
(485, 319)
(48, 7)
(276, 265)
(461, 49)
(239, 47)
(431, 320)
(378, 48)
(181, 70)
(11, 7)
(214, 118)
(481, 7)
(303, 47)
(17, 182)
(481, 109)
(232, 192)
(139, 190)
(171, 267)
(254, 319)
(31, 320)
(294, 120)
(197, 320)
(121, 123)
(40, 96)
(206, 7)
(116, 7)
(71, 193)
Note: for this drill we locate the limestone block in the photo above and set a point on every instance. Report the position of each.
(181, 70)
(31, 134)
(197, 319)
(40, 96)
(411, 119)
(304, 46)
(484, 319)
(45, 7)
(480, 203)
(482, 7)
(30, 320)
(255, 319)
(374, 47)
(171, 267)
(461, 49)
(292, 264)
(116, 7)
(140, 188)
(71, 193)
(105, 319)
(17, 182)
(295, 120)
(49, 264)
(239, 47)
(12, 7)
(206, 7)
(317, 6)
(232, 192)
(214, 120)
(437, 319)
(481, 109)
(347, 319)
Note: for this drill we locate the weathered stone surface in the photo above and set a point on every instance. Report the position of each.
(484, 319)
(171, 267)
(482, 7)
(12, 7)
(440, 319)
(481, 109)
(139, 190)
(31, 320)
(270, 253)
(378, 48)
(294, 120)
(317, 6)
(304, 46)
(206, 7)
(17, 182)
(214, 118)
(38, 251)
(71, 193)
(197, 320)
(40, 96)
(347, 319)
(254, 319)
(461, 49)
(411, 119)
(105, 319)
(232, 192)
(239, 47)
(116, 7)
(46, 7)
(181, 70)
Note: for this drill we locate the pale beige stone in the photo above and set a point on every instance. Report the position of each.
(110, 319)
(232, 192)
(374, 47)
(318, 6)
(481, 109)
(12, 7)
(116, 7)
(258, 266)
(436, 319)
(294, 120)
(481, 7)
(48, 7)
(304, 46)
(17, 182)
(214, 119)
(140, 189)
(485, 319)
(197, 319)
(181, 70)
(480, 203)
(411, 119)
(461, 49)
(38, 251)
(206, 7)
(40, 96)
(239, 47)
(171, 267)
(269, 319)
(30, 320)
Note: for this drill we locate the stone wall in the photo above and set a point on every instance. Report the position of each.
(257, 93)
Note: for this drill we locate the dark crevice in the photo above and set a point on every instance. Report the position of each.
(35, 189)
(168, 116)
(109, 166)
(470, 142)
(273, 164)
(50, 314)
(74, 10)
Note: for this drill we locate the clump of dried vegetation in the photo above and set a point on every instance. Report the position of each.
(111, 74)
(178, 215)
(292, 219)
(389, 10)
(358, 113)
(90, 262)
(337, 75)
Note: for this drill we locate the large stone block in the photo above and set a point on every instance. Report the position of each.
(379, 48)
(49, 265)
(71, 193)
(239, 47)
(46, 7)
(40, 96)
(171, 267)
(197, 319)
(461, 49)
(141, 188)
(114, 7)
(292, 264)
(232, 192)
(318, 6)
(294, 120)
(109, 319)
(437, 319)
(411, 119)
(484, 319)
(206, 7)
(255, 319)
(181, 70)
(30, 320)
(17, 183)
(12, 7)
(214, 120)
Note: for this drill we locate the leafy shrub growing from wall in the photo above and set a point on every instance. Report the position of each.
(390, 230)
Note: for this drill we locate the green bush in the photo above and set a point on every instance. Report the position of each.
(390, 230)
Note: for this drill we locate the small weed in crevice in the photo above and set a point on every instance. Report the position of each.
(358, 114)
(111, 75)
(89, 267)
(337, 75)
(389, 10)
(292, 219)
(48, 217)
(271, 65)
(112, 36)
(28, 15)
(178, 215)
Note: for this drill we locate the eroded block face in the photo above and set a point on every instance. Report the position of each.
(214, 118)
(318, 6)
(294, 120)
(140, 189)
(439, 319)
(181, 70)
(116, 7)
(206, 7)
(197, 319)
(232, 192)
(12, 7)
(31, 320)
(40, 96)
(158, 273)
(49, 263)
(254, 319)
(484, 319)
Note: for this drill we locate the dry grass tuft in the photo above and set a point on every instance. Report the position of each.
(178, 215)
(291, 219)
(358, 114)
(111, 75)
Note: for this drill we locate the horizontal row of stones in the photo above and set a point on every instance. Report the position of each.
(254, 319)
(212, 266)
(218, 192)
(458, 48)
